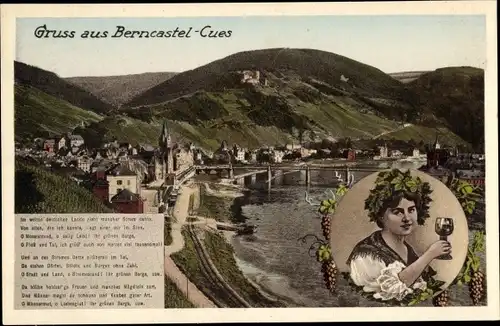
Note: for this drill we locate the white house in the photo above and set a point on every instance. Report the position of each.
(396, 153)
(75, 140)
(384, 151)
(293, 146)
(60, 142)
(239, 153)
(277, 156)
(120, 177)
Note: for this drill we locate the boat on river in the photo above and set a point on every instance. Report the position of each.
(240, 229)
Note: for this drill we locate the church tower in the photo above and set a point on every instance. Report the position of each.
(436, 143)
(165, 143)
(165, 140)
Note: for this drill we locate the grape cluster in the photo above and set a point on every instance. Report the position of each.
(325, 225)
(329, 270)
(442, 299)
(477, 287)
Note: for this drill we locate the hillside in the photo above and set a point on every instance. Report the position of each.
(51, 84)
(38, 114)
(117, 90)
(254, 117)
(121, 128)
(455, 95)
(306, 65)
(38, 191)
(306, 91)
(293, 94)
(425, 134)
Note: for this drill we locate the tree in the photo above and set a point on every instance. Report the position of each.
(325, 143)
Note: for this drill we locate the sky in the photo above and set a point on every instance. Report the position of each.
(389, 43)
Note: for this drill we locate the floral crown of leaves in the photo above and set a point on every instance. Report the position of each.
(390, 182)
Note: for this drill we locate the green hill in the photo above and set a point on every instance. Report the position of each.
(299, 94)
(38, 191)
(306, 91)
(38, 114)
(117, 90)
(303, 64)
(426, 134)
(254, 117)
(455, 96)
(121, 128)
(51, 84)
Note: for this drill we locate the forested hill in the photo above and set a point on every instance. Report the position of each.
(301, 63)
(455, 96)
(117, 90)
(53, 85)
(267, 97)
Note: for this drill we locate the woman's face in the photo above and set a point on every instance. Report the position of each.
(402, 219)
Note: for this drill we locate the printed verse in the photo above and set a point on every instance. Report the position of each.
(89, 261)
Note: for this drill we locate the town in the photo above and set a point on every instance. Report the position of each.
(124, 176)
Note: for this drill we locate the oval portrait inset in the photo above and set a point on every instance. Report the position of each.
(399, 236)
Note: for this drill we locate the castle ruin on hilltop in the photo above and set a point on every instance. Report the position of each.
(252, 77)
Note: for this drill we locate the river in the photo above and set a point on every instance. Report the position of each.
(274, 258)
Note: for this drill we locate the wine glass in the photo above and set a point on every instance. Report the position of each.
(444, 228)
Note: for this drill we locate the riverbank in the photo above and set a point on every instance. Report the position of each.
(221, 202)
(217, 202)
(225, 204)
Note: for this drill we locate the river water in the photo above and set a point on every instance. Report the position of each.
(275, 258)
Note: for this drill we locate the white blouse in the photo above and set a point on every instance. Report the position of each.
(381, 279)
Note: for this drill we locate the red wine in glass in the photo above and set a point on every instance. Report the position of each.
(444, 228)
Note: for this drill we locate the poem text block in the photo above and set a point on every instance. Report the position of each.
(89, 261)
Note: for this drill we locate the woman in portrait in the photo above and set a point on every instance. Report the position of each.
(384, 264)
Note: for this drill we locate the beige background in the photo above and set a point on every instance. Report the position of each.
(148, 260)
(350, 224)
(9, 13)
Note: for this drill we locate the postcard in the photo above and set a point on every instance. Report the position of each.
(249, 162)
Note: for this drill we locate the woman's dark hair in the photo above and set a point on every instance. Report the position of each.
(394, 185)
(393, 202)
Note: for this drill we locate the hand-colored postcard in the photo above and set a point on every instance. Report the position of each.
(249, 162)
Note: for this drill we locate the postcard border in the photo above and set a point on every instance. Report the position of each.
(10, 12)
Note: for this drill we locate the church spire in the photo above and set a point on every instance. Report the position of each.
(165, 140)
(436, 143)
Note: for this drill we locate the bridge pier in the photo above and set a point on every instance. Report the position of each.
(269, 176)
(308, 176)
(230, 172)
(278, 177)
